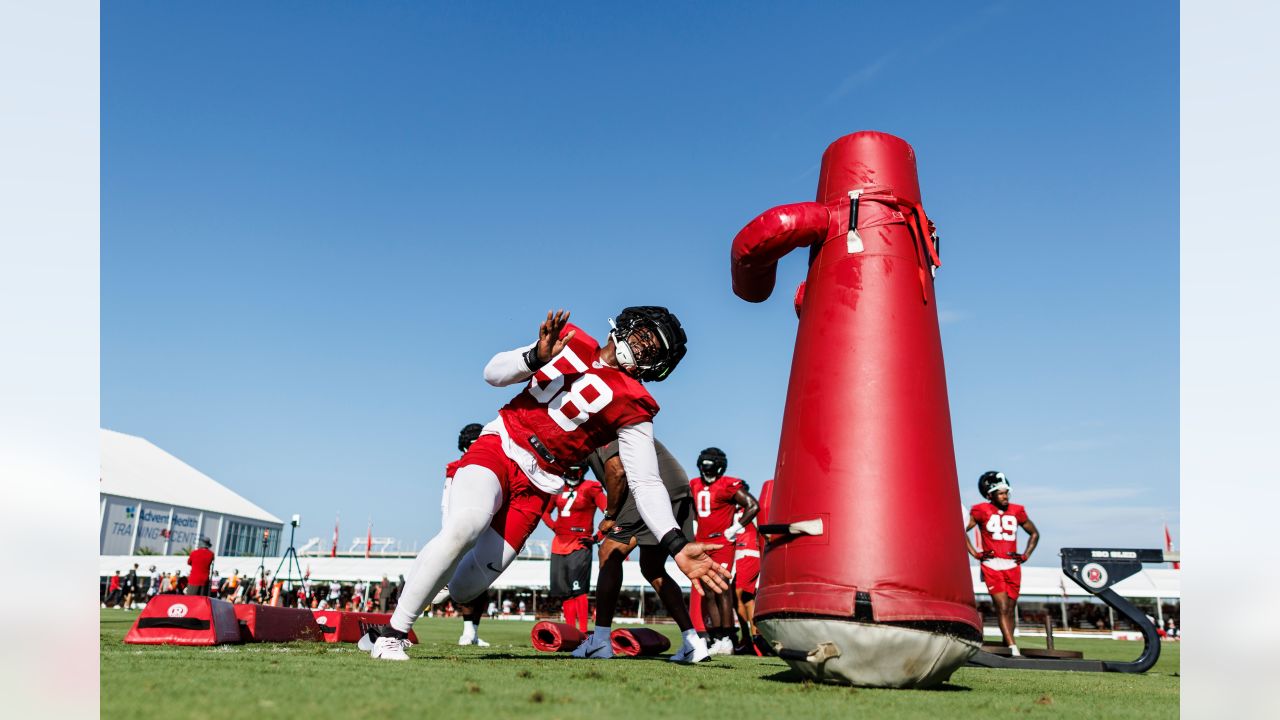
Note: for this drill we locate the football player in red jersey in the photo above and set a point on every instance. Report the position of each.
(716, 499)
(998, 521)
(574, 527)
(579, 396)
(623, 530)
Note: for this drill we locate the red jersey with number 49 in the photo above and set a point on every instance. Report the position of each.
(575, 515)
(714, 505)
(999, 528)
(574, 404)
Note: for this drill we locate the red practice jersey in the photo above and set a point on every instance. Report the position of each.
(999, 528)
(575, 515)
(575, 404)
(450, 469)
(714, 505)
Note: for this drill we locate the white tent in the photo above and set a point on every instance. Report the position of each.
(131, 467)
(153, 502)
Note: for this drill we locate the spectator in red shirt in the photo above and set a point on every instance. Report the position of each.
(200, 560)
(113, 591)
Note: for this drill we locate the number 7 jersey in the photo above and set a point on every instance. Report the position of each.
(999, 527)
(575, 404)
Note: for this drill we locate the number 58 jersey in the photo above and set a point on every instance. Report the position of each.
(575, 404)
(999, 527)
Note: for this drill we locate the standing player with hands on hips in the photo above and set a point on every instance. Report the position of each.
(999, 520)
(579, 396)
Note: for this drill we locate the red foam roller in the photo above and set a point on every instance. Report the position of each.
(556, 637)
(639, 641)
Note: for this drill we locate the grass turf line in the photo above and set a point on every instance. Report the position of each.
(511, 679)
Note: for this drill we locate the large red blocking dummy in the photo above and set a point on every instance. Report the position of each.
(879, 573)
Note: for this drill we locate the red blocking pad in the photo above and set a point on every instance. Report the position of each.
(185, 620)
(341, 626)
(556, 637)
(638, 641)
(264, 623)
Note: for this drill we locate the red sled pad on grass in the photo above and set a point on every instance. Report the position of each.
(265, 623)
(556, 637)
(185, 620)
(638, 641)
(342, 626)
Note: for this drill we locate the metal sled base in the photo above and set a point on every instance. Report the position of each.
(1096, 570)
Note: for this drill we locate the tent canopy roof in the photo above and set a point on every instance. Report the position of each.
(132, 467)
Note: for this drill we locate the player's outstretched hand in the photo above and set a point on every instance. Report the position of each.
(705, 573)
(549, 341)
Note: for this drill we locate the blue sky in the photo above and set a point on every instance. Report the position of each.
(319, 220)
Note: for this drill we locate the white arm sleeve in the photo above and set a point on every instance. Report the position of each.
(640, 461)
(508, 368)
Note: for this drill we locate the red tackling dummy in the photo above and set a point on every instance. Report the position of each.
(265, 623)
(556, 637)
(866, 447)
(343, 626)
(185, 620)
(638, 641)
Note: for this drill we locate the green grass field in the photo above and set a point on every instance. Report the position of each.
(510, 679)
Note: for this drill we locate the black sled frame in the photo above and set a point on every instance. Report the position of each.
(1097, 570)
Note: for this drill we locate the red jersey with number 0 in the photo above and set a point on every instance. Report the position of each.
(575, 404)
(999, 528)
(575, 515)
(714, 504)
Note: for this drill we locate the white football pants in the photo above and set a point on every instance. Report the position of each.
(467, 553)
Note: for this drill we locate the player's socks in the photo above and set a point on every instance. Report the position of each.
(1013, 650)
(603, 633)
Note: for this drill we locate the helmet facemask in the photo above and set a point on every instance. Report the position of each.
(712, 463)
(992, 482)
(648, 342)
(707, 470)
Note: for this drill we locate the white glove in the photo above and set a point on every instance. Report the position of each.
(734, 531)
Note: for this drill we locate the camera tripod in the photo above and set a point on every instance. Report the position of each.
(289, 563)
